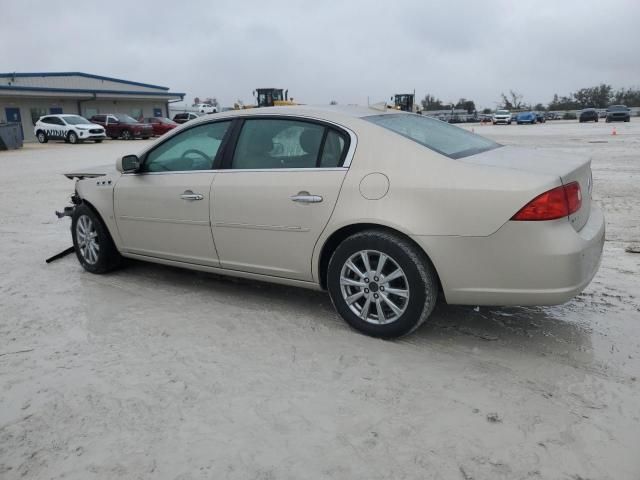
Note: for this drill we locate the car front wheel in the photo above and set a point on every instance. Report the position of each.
(72, 137)
(382, 284)
(126, 135)
(94, 247)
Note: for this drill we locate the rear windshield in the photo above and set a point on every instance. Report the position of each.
(454, 142)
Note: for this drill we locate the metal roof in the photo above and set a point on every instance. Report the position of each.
(78, 74)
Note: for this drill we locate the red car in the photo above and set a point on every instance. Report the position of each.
(119, 125)
(161, 125)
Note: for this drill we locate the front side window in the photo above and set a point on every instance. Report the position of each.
(449, 140)
(123, 118)
(192, 149)
(279, 143)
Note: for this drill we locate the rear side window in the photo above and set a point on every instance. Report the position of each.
(333, 148)
(454, 142)
(270, 143)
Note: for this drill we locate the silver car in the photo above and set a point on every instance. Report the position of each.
(384, 209)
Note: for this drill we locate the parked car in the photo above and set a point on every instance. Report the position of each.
(588, 115)
(316, 198)
(618, 113)
(184, 117)
(160, 125)
(206, 108)
(526, 117)
(540, 117)
(119, 125)
(502, 116)
(70, 128)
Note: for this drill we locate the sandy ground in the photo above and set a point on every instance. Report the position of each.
(154, 372)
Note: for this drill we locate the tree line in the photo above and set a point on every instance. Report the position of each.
(599, 96)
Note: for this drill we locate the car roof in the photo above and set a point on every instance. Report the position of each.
(336, 113)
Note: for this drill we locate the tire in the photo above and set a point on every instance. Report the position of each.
(114, 138)
(415, 288)
(72, 138)
(145, 138)
(98, 141)
(628, 120)
(126, 135)
(96, 253)
(42, 137)
(607, 120)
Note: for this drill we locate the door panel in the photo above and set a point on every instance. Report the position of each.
(13, 116)
(157, 216)
(258, 227)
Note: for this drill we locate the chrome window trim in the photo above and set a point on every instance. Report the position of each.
(347, 159)
(229, 170)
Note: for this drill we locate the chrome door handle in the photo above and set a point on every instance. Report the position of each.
(305, 197)
(189, 195)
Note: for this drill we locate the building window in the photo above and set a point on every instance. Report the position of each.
(36, 113)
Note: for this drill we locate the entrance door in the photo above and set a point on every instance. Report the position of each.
(270, 205)
(55, 110)
(13, 116)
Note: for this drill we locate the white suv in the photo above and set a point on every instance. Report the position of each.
(206, 108)
(70, 128)
(502, 116)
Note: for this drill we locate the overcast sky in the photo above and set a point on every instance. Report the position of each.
(332, 50)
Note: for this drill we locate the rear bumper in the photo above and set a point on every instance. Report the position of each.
(523, 263)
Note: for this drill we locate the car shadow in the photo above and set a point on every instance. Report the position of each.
(558, 330)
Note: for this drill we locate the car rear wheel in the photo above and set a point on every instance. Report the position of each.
(382, 284)
(98, 141)
(42, 137)
(126, 135)
(94, 247)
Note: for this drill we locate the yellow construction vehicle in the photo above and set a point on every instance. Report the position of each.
(405, 102)
(270, 97)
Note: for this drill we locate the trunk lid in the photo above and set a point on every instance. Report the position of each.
(567, 167)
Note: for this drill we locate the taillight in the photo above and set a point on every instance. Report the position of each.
(559, 202)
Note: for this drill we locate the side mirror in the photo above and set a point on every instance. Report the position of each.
(128, 164)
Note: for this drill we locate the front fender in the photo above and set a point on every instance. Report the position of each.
(98, 192)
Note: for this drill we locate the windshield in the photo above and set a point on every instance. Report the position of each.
(75, 120)
(617, 108)
(454, 142)
(502, 112)
(125, 118)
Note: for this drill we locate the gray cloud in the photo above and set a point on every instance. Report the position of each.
(342, 50)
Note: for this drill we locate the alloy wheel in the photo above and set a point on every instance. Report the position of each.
(374, 287)
(87, 239)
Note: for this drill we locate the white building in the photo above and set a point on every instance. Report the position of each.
(24, 97)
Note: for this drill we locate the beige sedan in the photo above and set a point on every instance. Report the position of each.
(384, 209)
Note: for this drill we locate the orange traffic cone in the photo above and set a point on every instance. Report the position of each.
(613, 132)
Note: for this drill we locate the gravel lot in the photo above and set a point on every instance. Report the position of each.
(155, 372)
